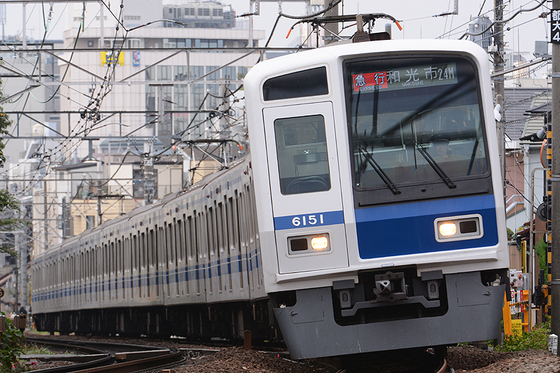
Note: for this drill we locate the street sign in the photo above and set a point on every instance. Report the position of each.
(517, 326)
(555, 26)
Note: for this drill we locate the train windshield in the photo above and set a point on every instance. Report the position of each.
(414, 121)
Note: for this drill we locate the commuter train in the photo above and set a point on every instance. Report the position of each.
(368, 217)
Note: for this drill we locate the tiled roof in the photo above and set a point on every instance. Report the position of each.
(516, 104)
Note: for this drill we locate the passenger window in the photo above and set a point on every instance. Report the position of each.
(302, 154)
(306, 83)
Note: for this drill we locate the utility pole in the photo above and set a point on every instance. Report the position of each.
(45, 215)
(22, 249)
(99, 204)
(499, 79)
(555, 179)
(331, 29)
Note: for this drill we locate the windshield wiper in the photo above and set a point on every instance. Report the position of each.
(379, 170)
(473, 156)
(436, 167)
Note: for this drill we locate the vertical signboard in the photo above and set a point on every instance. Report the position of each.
(555, 26)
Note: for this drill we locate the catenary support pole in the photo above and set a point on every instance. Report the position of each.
(499, 77)
(555, 282)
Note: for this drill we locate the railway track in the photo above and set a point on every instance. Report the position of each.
(118, 357)
(102, 357)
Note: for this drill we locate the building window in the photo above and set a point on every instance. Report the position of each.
(150, 100)
(151, 73)
(241, 72)
(164, 73)
(180, 73)
(133, 43)
(228, 72)
(139, 187)
(196, 72)
(180, 96)
(215, 75)
(90, 222)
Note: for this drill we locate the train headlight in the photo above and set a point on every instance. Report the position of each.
(309, 244)
(320, 243)
(458, 228)
(447, 229)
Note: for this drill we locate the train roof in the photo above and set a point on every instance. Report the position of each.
(139, 211)
(334, 53)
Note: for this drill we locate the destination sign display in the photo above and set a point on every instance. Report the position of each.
(405, 78)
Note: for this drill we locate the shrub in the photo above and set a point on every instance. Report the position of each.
(536, 339)
(11, 340)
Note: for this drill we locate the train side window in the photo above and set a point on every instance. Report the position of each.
(143, 250)
(228, 237)
(239, 231)
(220, 227)
(120, 267)
(196, 247)
(82, 266)
(189, 237)
(170, 243)
(146, 255)
(210, 230)
(112, 258)
(105, 259)
(206, 226)
(307, 83)
(180, 240)
(134, 253)
(95, 269)
(301, 148)
(176, 246)
(151, 248)
(175, 253)
(119, 257)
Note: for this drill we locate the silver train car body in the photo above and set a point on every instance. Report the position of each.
(343, 228)
(379, 242)
(138, 274)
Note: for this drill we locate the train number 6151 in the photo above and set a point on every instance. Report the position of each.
(306, 220)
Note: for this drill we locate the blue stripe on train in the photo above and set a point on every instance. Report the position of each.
(197, 272)
(406, 229)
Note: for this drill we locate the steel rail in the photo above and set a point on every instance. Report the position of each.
(103, 358)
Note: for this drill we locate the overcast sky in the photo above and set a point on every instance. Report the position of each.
(417, 18)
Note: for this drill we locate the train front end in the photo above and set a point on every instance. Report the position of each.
(379, 196)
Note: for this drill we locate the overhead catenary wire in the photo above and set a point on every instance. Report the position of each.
(88, 127)
(503, 21)
(83, 127)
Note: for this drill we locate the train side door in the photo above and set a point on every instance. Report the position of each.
(305, 187)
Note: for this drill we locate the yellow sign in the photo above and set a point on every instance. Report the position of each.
(107, 58)
(516, 326)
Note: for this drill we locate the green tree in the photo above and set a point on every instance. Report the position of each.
(10, 340)
(5, 123)
(9, 206)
